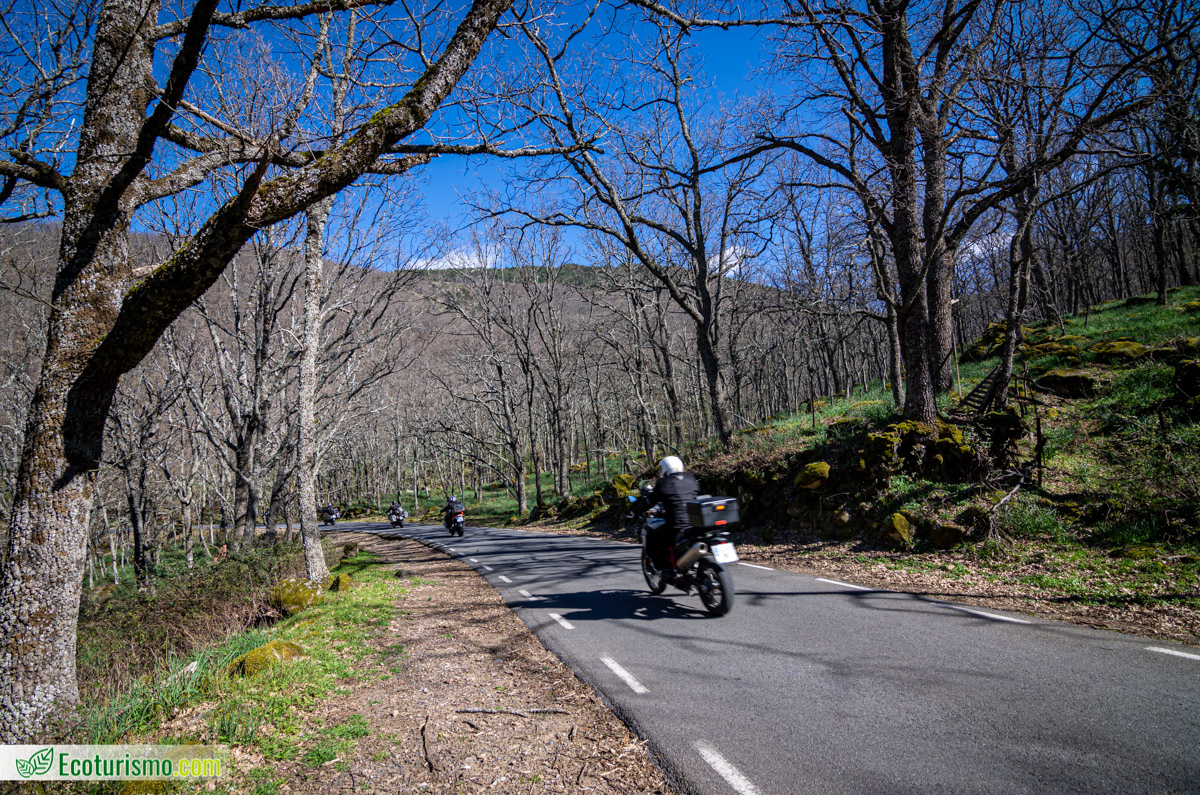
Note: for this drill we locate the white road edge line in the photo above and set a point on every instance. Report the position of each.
(731, 774)
(755, 566)
(529, 596)
(505, 579)
(565, 624)
(625, 676)
(992, 616)
(1172, 652)
(845, 584)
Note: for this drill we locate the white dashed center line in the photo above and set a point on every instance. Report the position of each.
(529, 596)
(565, 624)
(731, 774)
(845, 584)
(755, 566)
(473, 560)
(487, 567)
(1172, 652)
(504, 579)
(992, 616)
(625, 676)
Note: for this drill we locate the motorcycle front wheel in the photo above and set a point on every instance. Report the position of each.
(716, 588)
(654, 578)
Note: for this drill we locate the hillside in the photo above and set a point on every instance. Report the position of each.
(1102, 528)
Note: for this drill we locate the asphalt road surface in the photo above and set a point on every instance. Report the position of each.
(817, 686)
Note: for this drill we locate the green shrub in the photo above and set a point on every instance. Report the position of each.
(1030, 518)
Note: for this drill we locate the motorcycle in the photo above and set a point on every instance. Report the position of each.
(457, 523)
(397, 517)
(329, 515)
(697, 561)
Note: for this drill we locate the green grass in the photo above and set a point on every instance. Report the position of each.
(268, 711)
(1147, 324)
(1029, 518)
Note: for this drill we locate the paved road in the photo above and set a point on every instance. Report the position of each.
(815, 686)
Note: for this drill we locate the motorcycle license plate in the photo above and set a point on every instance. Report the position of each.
(724, 553)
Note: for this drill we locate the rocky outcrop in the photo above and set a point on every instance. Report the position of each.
(897, 531)
(813, 476)
(294, 595)
(1069, 383)
(1118, 351)
(256, 660)
(946, 536)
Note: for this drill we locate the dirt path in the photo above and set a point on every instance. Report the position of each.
(430, 727)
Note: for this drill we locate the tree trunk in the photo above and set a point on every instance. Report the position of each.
(715, 384)
(310, 534)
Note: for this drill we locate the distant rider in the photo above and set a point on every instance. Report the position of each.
(674, 489)
(395, 509)
(453, 504)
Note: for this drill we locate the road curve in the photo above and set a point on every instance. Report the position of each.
(816, 686)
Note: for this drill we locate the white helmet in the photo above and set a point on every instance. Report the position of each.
(669, 466)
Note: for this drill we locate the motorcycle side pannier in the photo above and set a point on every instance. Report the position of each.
(705, 511)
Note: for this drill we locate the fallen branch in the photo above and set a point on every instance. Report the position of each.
(1010, 495)
(518, 713)
(433, 767)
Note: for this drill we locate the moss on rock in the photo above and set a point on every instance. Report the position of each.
(256, 660)
(945, 535)
(897, 531)
(813, 476)
(1068, 383)
(1135, 552)
(620, 487)
(1191, 306)
(1117, 351)
(293, 595)
(338, 582)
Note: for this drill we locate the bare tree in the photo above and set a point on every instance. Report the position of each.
(107, 316)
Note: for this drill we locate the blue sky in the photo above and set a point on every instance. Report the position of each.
(730, 59)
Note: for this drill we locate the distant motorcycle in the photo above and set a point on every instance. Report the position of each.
(457, 522)
(397, 517)
(699, 558)
(329, 515)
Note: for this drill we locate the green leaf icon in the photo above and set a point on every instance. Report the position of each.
(41, 761)
(36, 765)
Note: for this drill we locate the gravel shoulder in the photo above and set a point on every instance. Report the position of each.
(477, 703)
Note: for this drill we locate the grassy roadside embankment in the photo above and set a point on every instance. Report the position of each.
(411, 674)
(1106, 532)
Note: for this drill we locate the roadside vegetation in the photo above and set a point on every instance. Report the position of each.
(1103, 525)
(197, 682)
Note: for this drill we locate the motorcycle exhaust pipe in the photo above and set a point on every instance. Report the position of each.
(697, 551)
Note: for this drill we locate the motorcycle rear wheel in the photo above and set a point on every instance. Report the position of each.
(654, 578)
(716, 588)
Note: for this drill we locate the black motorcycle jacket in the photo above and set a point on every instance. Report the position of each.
(675, 492)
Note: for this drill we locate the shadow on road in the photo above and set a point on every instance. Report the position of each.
(608, 605)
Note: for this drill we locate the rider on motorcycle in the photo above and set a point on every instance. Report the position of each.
(674, 489)
(452, 504)
(395, 509)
